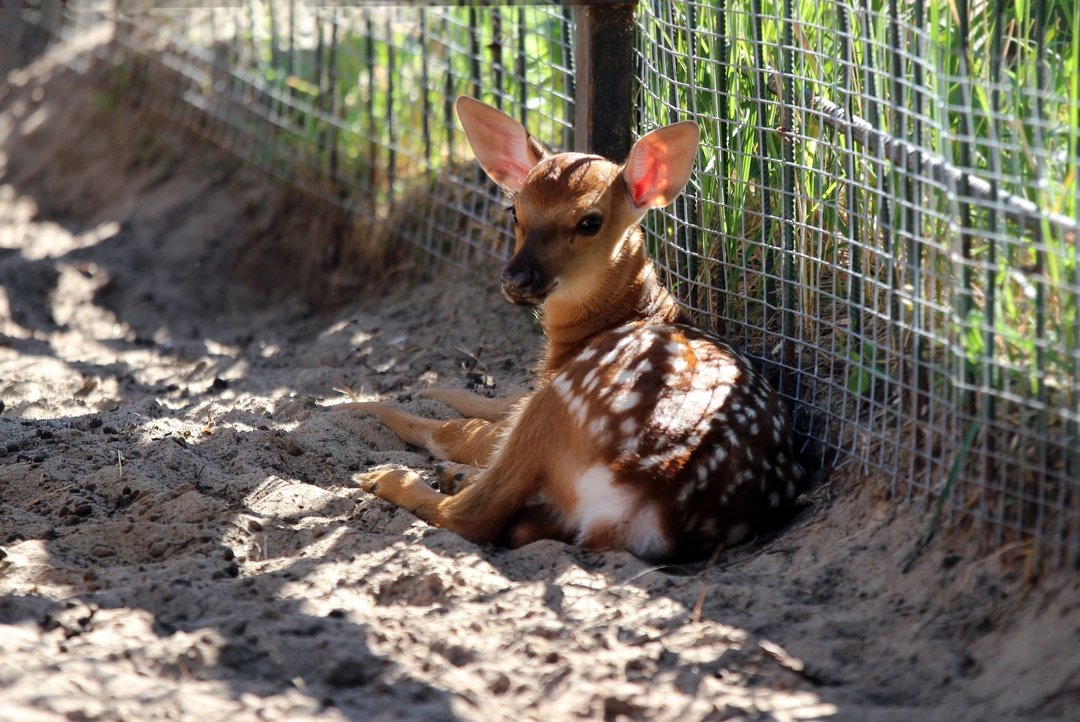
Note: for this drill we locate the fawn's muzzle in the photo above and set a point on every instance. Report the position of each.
(524, 283)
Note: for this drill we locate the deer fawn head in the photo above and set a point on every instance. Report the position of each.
(576, 215)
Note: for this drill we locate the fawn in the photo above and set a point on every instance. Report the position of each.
(644, 433)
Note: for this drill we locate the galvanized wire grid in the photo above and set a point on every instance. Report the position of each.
(354, 105)
(885, 215)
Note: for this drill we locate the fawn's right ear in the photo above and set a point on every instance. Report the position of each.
(504, 148)
(660, 164)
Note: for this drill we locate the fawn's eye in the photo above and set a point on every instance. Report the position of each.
(590, 224)
(513, 214)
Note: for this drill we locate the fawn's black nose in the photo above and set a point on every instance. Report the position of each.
(523, 282)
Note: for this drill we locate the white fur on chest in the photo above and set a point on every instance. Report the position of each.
(601, 504)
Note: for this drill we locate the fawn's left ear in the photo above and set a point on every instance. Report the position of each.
(504, 148)
(660, 164)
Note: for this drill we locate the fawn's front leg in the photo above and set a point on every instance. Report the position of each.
(531, 461)
(463, 441)
(406, 488)
(479, 512)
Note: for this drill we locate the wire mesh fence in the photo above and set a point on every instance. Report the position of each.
(354, 105)
(884, 213)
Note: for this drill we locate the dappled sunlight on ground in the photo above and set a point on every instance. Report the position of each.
(182, 536)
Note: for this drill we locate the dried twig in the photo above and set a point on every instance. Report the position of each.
(705, 583)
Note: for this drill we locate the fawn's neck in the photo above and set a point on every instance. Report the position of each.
(628, 292)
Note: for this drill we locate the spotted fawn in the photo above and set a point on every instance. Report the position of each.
(644, 433)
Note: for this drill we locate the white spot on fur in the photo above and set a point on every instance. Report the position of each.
(598, 427)
(586, 354)
(615, 352)
(717, 458)
(737, 533)
(610, 356)
(677, 452)
(684, 494)
(774, 500)
(728, 374)
(625, 402)
(582, 413)
(561, 384)
(629, 426)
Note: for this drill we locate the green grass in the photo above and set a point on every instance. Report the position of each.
(359, 99)
(917, 290)
(1029, 280)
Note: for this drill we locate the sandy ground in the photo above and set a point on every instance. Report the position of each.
(181, 535)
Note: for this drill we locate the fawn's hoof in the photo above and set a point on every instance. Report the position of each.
(393, 485)
(452, 478)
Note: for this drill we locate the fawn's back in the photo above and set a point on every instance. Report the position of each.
(691, 445)
(645, 433)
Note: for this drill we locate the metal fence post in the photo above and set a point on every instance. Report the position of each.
(604, 79)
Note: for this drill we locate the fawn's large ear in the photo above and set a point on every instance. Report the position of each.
(504, 148)
(660, 164)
